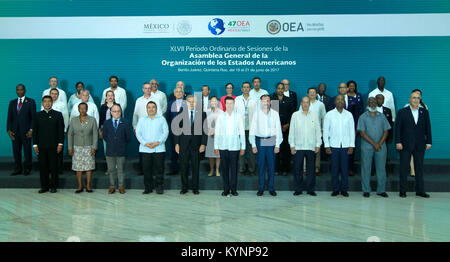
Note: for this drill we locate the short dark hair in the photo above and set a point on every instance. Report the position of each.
(228, 98)
(310, 89)
(111, 77)
(352, 82)
(21, 86)
(83, 103)
(149, 102)
(47, 97)
(256, 77)
(206, 86)
(229, 84)
(261, 98)
(79, 82)
(246, 83)
(279, 83)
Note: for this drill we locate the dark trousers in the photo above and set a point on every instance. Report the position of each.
(229, 168)
(299, 156)
(283, 159)
(265, 156)
(339, 162)
(405, 169)
(20, 141)
(59, 159)
(189, 156)
(47, 164)
(249, 158)
(173, 154)
(153, 165)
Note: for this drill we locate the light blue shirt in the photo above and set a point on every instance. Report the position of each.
(152, 130)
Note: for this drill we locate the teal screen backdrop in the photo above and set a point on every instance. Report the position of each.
(406, 62)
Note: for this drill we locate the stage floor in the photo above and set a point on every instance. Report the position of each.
(26, 215)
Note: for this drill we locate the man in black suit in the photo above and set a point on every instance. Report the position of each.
(190, 142)
(19, 125)
(289, 93)
(324, 98)
(412, 137)
(387, 113)
(48, 140)
(174, 107)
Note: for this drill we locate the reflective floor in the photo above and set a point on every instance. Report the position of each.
(26, 215)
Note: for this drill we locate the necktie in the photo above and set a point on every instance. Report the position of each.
(192, 118)
(20, 105)
(115, 124)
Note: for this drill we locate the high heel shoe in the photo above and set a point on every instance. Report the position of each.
(89, 190)
(79, 191)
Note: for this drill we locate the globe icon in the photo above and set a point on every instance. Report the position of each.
(216, 26)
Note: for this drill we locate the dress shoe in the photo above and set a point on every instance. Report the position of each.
(335, 193)
(89, 190)
(383, 194)
(43, 191)
(296, 193)
(259, 193)
(159, 191)
(225, 193)
(196, 192)
(366, 194)
(312, 193)
(234, 193)
(122, 190)
(402, 194)
(53, 190)
(146, 191)
(182, 192)
(425, 195)
(27, 172)
(16, 172)
(79, 191)
(111, 190)
(273, 193)
(344, 193)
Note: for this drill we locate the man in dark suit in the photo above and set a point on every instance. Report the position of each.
(324, 98)
(174, 107)
(48, 140)
(289, 93)
(387, 113)
(205, 98)
(412, 137)
(19, 125)
(190, 142)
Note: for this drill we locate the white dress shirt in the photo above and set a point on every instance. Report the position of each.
(388, 99)
(229, 133)
(205, 102)
(140, 108)
(92, 111)
(62, 95)
(304, 131)
(265, 125)
(257, 95)
(286, 93)
(162, 99)
(61, 107)
(318, 108)
(339, 129)
(415, 114)
(380, 109)
(246, 108)
(120, 97)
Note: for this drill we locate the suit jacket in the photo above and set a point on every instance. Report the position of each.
(293, 97)
(187, 138)
(83, 135)
(172, 96)
(388, 114)
(171, 112)
(48, 129)
(116, 140)
(411, 135)
(21, 122)
(329, 104)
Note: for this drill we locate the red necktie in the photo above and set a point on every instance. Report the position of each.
(20, 105)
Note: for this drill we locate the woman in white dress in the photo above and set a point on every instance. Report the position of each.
(212, 115)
